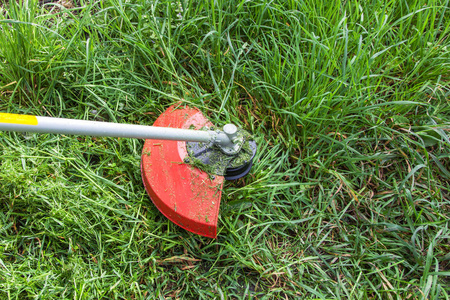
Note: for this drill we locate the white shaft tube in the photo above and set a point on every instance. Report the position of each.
(26, 123)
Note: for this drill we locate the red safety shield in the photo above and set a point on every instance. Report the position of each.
(186, 195)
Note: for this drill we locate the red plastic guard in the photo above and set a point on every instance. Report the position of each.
(184, 194)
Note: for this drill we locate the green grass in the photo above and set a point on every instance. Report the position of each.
(349, 196)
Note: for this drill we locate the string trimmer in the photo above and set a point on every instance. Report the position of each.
(184, 162)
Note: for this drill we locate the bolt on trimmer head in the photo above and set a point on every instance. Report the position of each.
(184, 162)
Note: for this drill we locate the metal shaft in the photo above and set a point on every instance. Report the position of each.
(26, 123)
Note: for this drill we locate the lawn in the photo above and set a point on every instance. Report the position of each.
(349, 195)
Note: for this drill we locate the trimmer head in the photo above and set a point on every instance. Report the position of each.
(212, 158)
(171, 172)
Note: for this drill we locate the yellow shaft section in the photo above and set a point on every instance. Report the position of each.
(18, 119)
